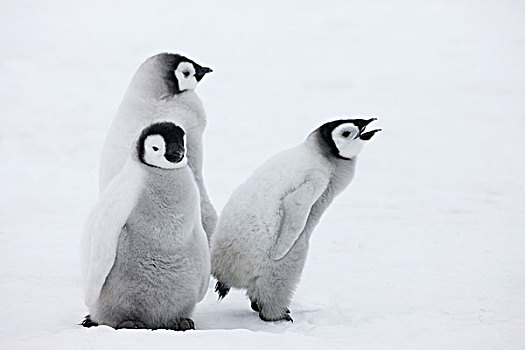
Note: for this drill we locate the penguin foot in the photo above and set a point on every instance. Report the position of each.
(88, 322)
(285, 317)
(185, 324)
(222, 289)
(131, 325)
(255, 307)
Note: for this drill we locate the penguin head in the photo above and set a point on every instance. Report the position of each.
(346, 137)
(162, 145)
(168, 74)
(179, 72)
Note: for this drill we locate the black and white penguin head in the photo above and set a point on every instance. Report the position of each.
(346, 137)
(188, 74)
(168, 74)
(162, 145)
(181, 73)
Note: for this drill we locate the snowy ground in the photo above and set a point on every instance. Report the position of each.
(424, 250)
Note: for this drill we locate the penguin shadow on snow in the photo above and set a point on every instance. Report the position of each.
(231, 314)
(235, 313)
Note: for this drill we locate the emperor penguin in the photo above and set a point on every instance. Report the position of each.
(145, 256)
(261, 240)
(161, 89)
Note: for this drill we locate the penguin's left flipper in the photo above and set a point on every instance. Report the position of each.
(103, 227)
(296, 207)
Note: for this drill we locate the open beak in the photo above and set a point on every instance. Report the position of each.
(362, 128)
(368, 135)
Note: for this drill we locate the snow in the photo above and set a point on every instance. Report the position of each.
(423, 250)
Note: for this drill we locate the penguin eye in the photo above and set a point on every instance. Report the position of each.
(345, 134)
(186, 74)
(155, 148)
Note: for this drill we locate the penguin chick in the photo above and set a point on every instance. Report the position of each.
(145, 256)
(261, 240)
(161, 89)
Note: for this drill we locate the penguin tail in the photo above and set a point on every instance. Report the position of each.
(221, 289)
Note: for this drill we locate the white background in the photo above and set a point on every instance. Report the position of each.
(425, 249)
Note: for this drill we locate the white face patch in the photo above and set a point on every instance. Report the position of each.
(345, 140)
(154, 151)
(185, 74)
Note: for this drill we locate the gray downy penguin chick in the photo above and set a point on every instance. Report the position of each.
(261, 240)
(145, 256)
(161, 89)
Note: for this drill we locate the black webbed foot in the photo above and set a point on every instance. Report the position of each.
(222, 289)
(285, 317)
(254, 306)
(185, 324)
(87, 322)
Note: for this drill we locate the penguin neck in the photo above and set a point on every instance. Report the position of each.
(315, 141)
(151, 88)
(341, 170)
(169, 183)
(160, 174)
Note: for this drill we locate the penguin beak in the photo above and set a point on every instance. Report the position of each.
(366, 135)
(365, 123)
(201, 71)
(174, 153)
(362, 123)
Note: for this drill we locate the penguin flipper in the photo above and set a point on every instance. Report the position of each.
(296, 207)
(103, 227)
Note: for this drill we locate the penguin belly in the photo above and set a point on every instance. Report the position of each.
(159, 266)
